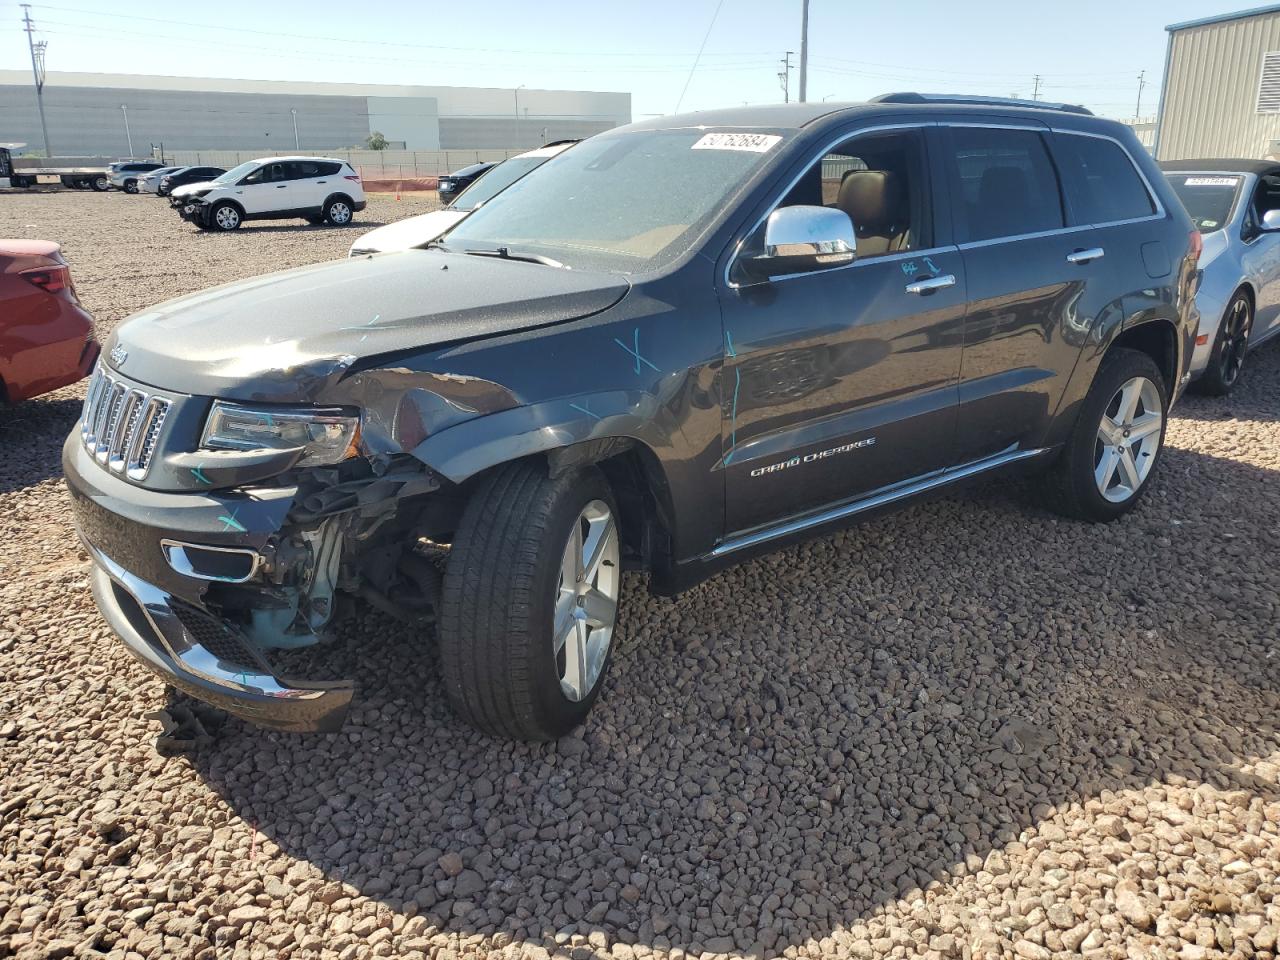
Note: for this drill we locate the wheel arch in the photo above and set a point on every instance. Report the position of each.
(338, 195)
(231, 200)
(1158, 339)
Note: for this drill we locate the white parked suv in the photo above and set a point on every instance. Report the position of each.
(317, 189)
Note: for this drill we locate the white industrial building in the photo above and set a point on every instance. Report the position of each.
(100, 113)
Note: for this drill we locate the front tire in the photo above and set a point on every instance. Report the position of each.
(225, 216)
(530, 601)
(1229, 348)
(131, 186)
(1116, 442)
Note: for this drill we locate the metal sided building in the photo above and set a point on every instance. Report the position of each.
(1221, 91)
(99, 114)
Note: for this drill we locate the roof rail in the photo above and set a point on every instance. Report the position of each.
(980, 101)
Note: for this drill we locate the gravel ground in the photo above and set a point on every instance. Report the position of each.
(967, 730)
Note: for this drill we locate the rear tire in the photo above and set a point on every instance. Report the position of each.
(1116, 443)
(338, 212)
(131, 186)
(101, 184)
(525, 648)
(1229, 348)
(225, 216)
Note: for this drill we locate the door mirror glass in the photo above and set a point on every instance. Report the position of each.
(802, 239)
(1271, 221)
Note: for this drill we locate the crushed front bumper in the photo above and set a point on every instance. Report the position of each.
(201, 656)
(158, 611)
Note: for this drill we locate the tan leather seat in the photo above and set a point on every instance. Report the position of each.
(876, 203)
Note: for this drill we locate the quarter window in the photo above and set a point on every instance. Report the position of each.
(879, 181)
(1104, 184)
(1004, 183)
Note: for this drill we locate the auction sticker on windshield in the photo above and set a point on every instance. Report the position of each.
(1211, 181)
(750, 142)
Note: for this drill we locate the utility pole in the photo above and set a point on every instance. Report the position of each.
(1035, 90)
(37, 72)
(127, 135)
(294, 113)
(1142, 82)
(804, 50)
(784, 76)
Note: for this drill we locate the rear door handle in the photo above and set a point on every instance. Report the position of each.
(281, 186)
(1086, 256)
(923, 287)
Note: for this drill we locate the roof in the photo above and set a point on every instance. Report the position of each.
(1230, 165)
(1225, 17)
(793, 116)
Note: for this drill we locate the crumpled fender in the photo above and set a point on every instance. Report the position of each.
(465, 450)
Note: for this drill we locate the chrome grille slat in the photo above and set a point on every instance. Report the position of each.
(121, 424)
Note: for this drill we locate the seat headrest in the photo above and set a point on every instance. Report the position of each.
(872, 199)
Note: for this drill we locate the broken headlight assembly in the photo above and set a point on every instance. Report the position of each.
(325, 435)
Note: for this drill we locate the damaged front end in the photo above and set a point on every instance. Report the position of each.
(211, 583)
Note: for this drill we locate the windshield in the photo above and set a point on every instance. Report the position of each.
(623, 201)
(235, 173)
(1209, 198)
(495, 181)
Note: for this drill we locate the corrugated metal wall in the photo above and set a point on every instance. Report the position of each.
(372, 164)
(1210, 99)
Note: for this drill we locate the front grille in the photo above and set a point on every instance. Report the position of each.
(121, 424)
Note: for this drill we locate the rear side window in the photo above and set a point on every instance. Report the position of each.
(303, 169)
(328, 169)
(1004, 183)
(1103, 184)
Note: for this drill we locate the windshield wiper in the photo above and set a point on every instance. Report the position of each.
(503, 253)
(435, 245)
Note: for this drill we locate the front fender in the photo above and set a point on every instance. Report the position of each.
(464, 450)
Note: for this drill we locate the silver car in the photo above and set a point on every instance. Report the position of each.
(1235, 204)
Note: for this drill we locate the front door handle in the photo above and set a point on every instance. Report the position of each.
(1086, 256)
(923, 287)
(281, 186)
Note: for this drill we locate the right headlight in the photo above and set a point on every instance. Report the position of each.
(326, 435)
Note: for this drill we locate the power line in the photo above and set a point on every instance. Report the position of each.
(705, 37)
(382, 43)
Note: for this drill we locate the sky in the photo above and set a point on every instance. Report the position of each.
(1086, 51)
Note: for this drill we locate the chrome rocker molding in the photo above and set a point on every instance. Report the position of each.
(242, 689)
(902, 491)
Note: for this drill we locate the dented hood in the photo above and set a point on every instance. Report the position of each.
(284, 336)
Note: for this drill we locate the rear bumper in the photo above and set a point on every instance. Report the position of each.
(359, 205)
(65, 354)
(216, 666)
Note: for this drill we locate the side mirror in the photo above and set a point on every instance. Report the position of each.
(1271, 221)
(802, 239)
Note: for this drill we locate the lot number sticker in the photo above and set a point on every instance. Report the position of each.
(1211, 181)
(750, 142)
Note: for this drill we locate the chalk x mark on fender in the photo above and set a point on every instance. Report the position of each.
(812, 457)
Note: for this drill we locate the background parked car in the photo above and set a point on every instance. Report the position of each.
(453, 184)
(125, 175)
(150, 182)
(1235, 204)
(417, 231)
(185, 175)
(46, 337)
(317, 189)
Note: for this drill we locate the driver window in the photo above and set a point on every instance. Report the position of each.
(261, 175)
(1265, 197)
(879, 181)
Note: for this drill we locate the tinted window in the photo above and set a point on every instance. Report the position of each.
(302, 169)
(1105, 185)
(1005, 184)
(879, 181)
(328, 169)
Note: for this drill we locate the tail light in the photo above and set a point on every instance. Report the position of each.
(352, 176)
(49, 279)
(1197, 246)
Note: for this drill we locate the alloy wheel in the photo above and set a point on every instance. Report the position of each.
(1235, 340)
(339, 212)
(228, 218)
(1128, 439)
(586, 605)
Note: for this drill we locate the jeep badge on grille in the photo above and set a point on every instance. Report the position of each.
(119, 355)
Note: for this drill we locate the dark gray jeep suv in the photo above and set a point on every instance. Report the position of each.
(682, 342)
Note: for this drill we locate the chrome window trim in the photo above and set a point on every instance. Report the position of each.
(1058, 231)
(815, 157)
